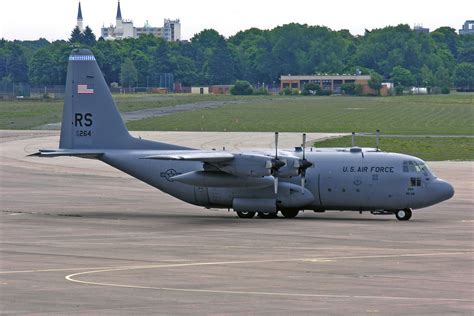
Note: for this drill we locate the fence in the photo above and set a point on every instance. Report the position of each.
(12, 91)
(21, 91)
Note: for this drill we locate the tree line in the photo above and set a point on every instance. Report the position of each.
(398, 54)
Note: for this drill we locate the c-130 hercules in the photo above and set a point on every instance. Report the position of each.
(260, 182)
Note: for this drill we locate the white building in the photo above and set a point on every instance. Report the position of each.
(171, 30)
(122, 29)
(467, 28)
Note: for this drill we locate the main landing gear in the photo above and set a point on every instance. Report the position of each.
(245, 214)
(290, 213)
(403, 215)
(267, 215)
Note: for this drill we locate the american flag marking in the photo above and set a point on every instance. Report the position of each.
(81, 57)
(83, 89)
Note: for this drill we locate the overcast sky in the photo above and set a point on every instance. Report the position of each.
(55, 19)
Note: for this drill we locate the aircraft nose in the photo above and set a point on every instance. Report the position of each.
(444, 190)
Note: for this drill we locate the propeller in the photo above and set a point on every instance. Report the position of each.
(304, 164)
(276, 164)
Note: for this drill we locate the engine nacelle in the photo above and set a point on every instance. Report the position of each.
(290, 196)
(247, 166)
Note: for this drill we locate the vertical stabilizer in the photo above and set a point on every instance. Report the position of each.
(91, 119)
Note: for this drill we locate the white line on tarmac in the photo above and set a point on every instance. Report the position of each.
(72, 277)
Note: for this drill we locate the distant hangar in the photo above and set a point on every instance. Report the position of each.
(328, 82)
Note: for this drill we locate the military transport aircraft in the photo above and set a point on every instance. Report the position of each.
(259, 182)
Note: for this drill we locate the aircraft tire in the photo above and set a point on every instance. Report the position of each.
(403, 215)
(246, 214)
(290, 213)
(267, 215)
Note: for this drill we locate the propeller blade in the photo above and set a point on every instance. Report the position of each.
(275, 184)
(303, 181)
(276, 145)
(304, 146)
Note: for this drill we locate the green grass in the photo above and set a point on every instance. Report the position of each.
(434, 114)
(407, 115)
(427, 148)
(133, 102)
(421, 115)
(27, 114)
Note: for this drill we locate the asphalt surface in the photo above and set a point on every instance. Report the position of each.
(78, 237)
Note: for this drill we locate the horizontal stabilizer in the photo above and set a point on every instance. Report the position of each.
(210, 156)
(83, 153)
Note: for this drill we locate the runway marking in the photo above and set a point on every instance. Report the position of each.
(73, 277)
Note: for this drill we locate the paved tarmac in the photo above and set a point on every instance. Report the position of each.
(78, 237)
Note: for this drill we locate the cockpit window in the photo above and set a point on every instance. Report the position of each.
(410, 166)
(425, 169)
(415, 182)
(416, 166)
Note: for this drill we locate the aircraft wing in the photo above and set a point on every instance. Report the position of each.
(83, 153)
(207, 156)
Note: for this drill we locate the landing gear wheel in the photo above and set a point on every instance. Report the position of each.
(403, 215)
(245, 214)
(290, 213)
(267, 215)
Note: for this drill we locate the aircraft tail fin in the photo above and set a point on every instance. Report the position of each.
(91, 119)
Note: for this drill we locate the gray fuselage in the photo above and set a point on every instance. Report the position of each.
(338, 180)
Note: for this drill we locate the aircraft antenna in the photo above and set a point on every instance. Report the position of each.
(353, 139)
(377, 139)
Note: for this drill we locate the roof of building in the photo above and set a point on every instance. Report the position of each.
(119, 13)
(326, 77)
(79, 12)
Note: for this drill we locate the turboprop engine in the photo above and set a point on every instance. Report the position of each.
(245, 165)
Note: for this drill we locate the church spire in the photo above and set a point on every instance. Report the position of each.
(79, 18)
(79, 12)
(119, 13)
